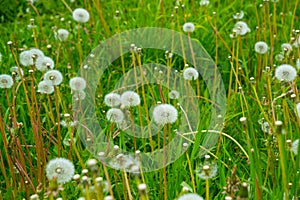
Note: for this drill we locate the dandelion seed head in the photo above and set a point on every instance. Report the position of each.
(62, 34)
(190, 73)
(188, 27)
(79, 95)
(44, 63)
(204, 3)
(130, 98)
(61, 168)
(261, 47)
(174, 94)
(53, 76)
(77, 83)
(298, 63)
(190, 196)
(165, 113)
(241, 28)
(6, 81)
(45, 87)
(115, 115)
(298, 109)
(285, 72)
(295, 146)
(112, 99)
(238, 15)
(207, 171)
(81, 15)
(286, 47)
(15, 72)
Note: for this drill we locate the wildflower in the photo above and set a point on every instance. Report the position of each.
(286, 47)
(190, 73)
(130, 98)
(238, 15)
(53, 76)
(115, 115)
(207, 171)
(188, 27)
(112, 99)
(285, 72)
(77, 83)
(261, 47)
(241, 28)
(174, 94)
(15, 72)
(190, 196)
(204, 2)
(44, 63)
(295, 146)
(81, 15)
(60, 168)
(79, 95)
(62, 34)
(6, 81)
(165, 113)
(45, 87)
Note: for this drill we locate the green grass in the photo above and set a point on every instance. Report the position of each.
(243, 153)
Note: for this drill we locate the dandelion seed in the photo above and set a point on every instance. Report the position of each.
(261, 47)
(188, 27)
(60, 168)
(44, 63)
(77, 83)
(238, 15)
(53, 76)
(285, 72)
(130, 98)
(241, 28)
(165, 113)
(79, 95)
(286, 47)
(295, 146)
(174, 94)
(112, 99)
(45, 87)
(62, 34)
(115, 115)
(15, 72)
(6, 81)
(207, 171)
(204, 3)
(190, 196)
(81, 15)
(190, 74)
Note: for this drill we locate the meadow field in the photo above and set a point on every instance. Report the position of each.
(149, 100)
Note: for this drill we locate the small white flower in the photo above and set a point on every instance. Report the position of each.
(115, 115)
(188, 27)
(286, 47)
(241, 28)
(44, 63)
(81, 15)
(45, 87)
(130, 98)
(174, 94)
(190, 73)
(238, 15)
(285, 72)
(79, 95)
(6, 81)
(53, 76)
(77, 83)
(62, 34)
(190, 196)
(295, 146)
(60, 168)
(204, 2)
(112, 99)
(261, 47)
(15, 72)
(165, 113)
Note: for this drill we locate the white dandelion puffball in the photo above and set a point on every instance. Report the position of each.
(15, 72)
(165, 113)
(77, 83)
(115, 115)
(81, 15)
(62, 34)
(238, 15)
(44, 63)
(261, 47)
(190, 196)
(112, 99)
(45, 87)
(61, 168)
(130, 98)
(190, 73)
(79, 95)
(286, 47)
(204, 2)
(210, 173)
(285, 72)
(27, 57)
(37, 53)
(174, 94)
(298, 109)
(295, 146)
(6, 81)
(298, 63)
(241, 28)
(53, 76)
(188, 27)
